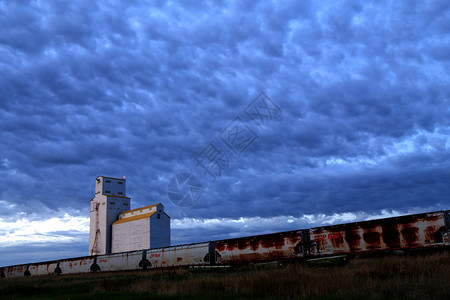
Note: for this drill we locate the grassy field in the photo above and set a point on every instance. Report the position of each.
(394, 277)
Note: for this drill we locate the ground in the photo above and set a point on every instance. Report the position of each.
(423, 276)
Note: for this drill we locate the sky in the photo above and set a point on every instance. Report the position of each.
(283, 114)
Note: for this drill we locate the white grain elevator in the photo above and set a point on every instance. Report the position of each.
(115, 228)
(109, 201)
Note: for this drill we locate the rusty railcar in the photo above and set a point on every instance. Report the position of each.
(76, 265)
(404, 232)
(266, 247)
(36, 269)
(14, 271)
(33, 269)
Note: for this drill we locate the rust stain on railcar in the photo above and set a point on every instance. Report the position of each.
(372, 239)
(392, 233)
(410, 234)
(261, 247)
(371, 235)
(433, 232)
(270, 243)
(15, 271)
(353, 238)
(220, 246)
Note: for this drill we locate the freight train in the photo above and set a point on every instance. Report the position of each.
(419, 231)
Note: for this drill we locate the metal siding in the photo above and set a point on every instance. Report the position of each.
(120, 261)
(186, 255)
(46, 268)
(76, 265)
(447, 219)
(413, 231)
(112, 214)
(138, 211)
(140, 234)
(131, 236)
(159, 231)
(102, 216)
(273, 246)
(112, 186)
(120, 237)
(15, 271)
(107, 214)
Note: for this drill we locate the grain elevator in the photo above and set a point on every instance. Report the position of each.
(115, 228)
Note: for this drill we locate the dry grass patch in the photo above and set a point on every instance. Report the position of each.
(395, 277)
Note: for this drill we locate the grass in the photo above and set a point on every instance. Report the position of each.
(394, 277)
